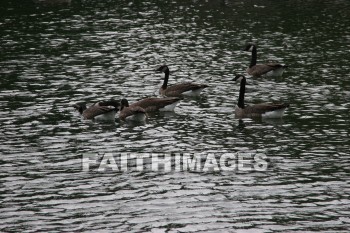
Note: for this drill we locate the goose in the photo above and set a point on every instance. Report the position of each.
(101, 111)
(178, 90)
(264, 110)
(166, 104)
(131, 113)
(268, 69)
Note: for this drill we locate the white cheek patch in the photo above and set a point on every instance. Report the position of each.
(240, 79)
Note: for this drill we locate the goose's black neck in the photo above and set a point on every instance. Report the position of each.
(124, 104)
(82, 108)
(166, 78)
(241, 93)
(254, 57)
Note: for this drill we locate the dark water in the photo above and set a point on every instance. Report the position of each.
(57, 55)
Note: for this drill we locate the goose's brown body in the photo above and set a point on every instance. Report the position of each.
(132, 113)
(268, 69)
(157, 104)
(104, 109)
(178, 90)
(267, 110)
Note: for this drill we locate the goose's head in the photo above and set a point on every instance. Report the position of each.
(249, 47)
(80, 107)
(239, 78)
(163, 68)
(124, 103)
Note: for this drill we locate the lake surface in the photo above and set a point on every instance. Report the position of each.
(54, 56)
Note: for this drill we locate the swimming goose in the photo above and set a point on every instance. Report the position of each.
(178, 90)
(265, 110)
(166, 104)
(131, 113)
(268, 69)
(103, 111)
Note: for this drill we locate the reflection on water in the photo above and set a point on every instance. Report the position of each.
(91, 50)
